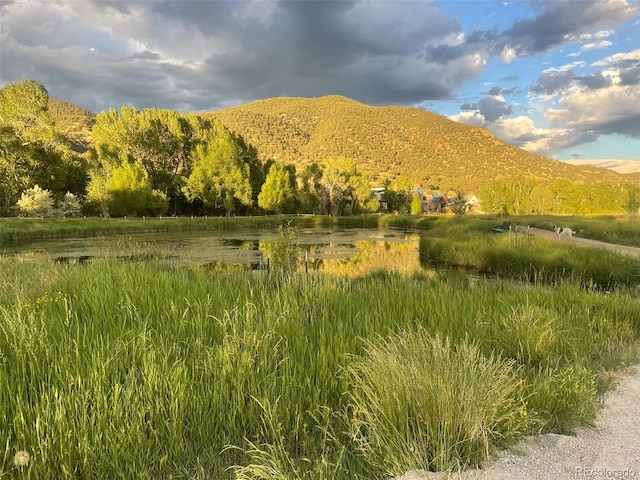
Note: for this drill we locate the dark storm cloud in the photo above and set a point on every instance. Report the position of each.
(550, 83)
(493, 108)
(559, 22)
(630, 76)
(594, 81)
(204, 55)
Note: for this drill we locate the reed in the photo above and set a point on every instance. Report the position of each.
(126, 369)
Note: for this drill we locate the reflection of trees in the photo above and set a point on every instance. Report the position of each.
(400, 257)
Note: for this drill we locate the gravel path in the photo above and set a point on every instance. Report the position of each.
(576, 240)
(610, 450)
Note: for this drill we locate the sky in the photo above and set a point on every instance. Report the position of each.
(557, 78)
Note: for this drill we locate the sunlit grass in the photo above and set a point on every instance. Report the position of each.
(124, 369)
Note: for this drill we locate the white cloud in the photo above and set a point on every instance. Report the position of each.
(618, 58)
(614, 109)
(508, 54)
(599, 45)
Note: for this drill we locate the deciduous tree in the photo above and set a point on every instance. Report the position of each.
(279, 192)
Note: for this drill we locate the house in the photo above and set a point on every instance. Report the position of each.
(473, 204)
(432, 202)
(438, 203)
(378, 192)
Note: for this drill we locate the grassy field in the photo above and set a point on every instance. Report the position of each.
(469, 243)
(128, 370)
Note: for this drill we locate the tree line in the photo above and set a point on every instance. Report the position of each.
(155, 162)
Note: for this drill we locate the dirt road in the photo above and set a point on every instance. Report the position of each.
(586, 242)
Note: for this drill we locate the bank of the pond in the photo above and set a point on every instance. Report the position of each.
(132, 370)
(13, 230)
(517, 255)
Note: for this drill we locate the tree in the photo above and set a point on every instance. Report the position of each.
(220, 178)
(36, 202)
(416, 205)
(459, 204)
(278, 192)
(130, 192)
(70, 206)
(32, 152)
(310, 189)
(346, 189)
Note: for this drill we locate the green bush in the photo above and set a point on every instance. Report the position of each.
(562, 399)
(36, 202)
(419, 402)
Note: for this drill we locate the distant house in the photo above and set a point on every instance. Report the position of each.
(432, 202)
(438, 203)
(473, 204)
(379, 194)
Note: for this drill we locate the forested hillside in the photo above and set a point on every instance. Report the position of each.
(391, 141)
(318, 155)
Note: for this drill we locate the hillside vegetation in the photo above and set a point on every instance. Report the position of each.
(73, 121)
(340, 148)
(392, 141)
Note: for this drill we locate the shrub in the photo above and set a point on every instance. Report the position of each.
(419, 402)
(562, 398)
(70, 206)
(36, 202)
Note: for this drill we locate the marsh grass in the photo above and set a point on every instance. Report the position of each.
(419, 403)
(120, 369)
(525, 258)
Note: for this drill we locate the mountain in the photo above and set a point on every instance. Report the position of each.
(620, 166)
(73, 121)
(390, 141)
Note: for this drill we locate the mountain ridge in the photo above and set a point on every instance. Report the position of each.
(387, 141)
(391, 141)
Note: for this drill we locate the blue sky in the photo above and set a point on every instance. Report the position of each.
(558, 78)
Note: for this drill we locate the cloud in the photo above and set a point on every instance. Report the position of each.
(600, 44)
(551, 83)
(559, 23)
(205, 55)
(611, 110)
(594, 81)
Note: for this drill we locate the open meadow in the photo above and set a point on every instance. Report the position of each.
(120, 369)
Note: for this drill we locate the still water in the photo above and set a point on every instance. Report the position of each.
(341, 252)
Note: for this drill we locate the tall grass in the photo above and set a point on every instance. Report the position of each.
(127, 370)
(517, 256)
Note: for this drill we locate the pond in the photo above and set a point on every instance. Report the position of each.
(340, 252)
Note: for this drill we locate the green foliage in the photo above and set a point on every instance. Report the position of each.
(220, 177)
(564, 398)
(416, 205)
(420, 403)
(459, 204)
(155, 380)
(278, 192)
(36, 202)
(70, 206)
(346, 189)
(32, 151)
(284, 253)
(130, 192)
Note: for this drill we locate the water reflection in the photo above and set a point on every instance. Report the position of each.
(337, 252)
